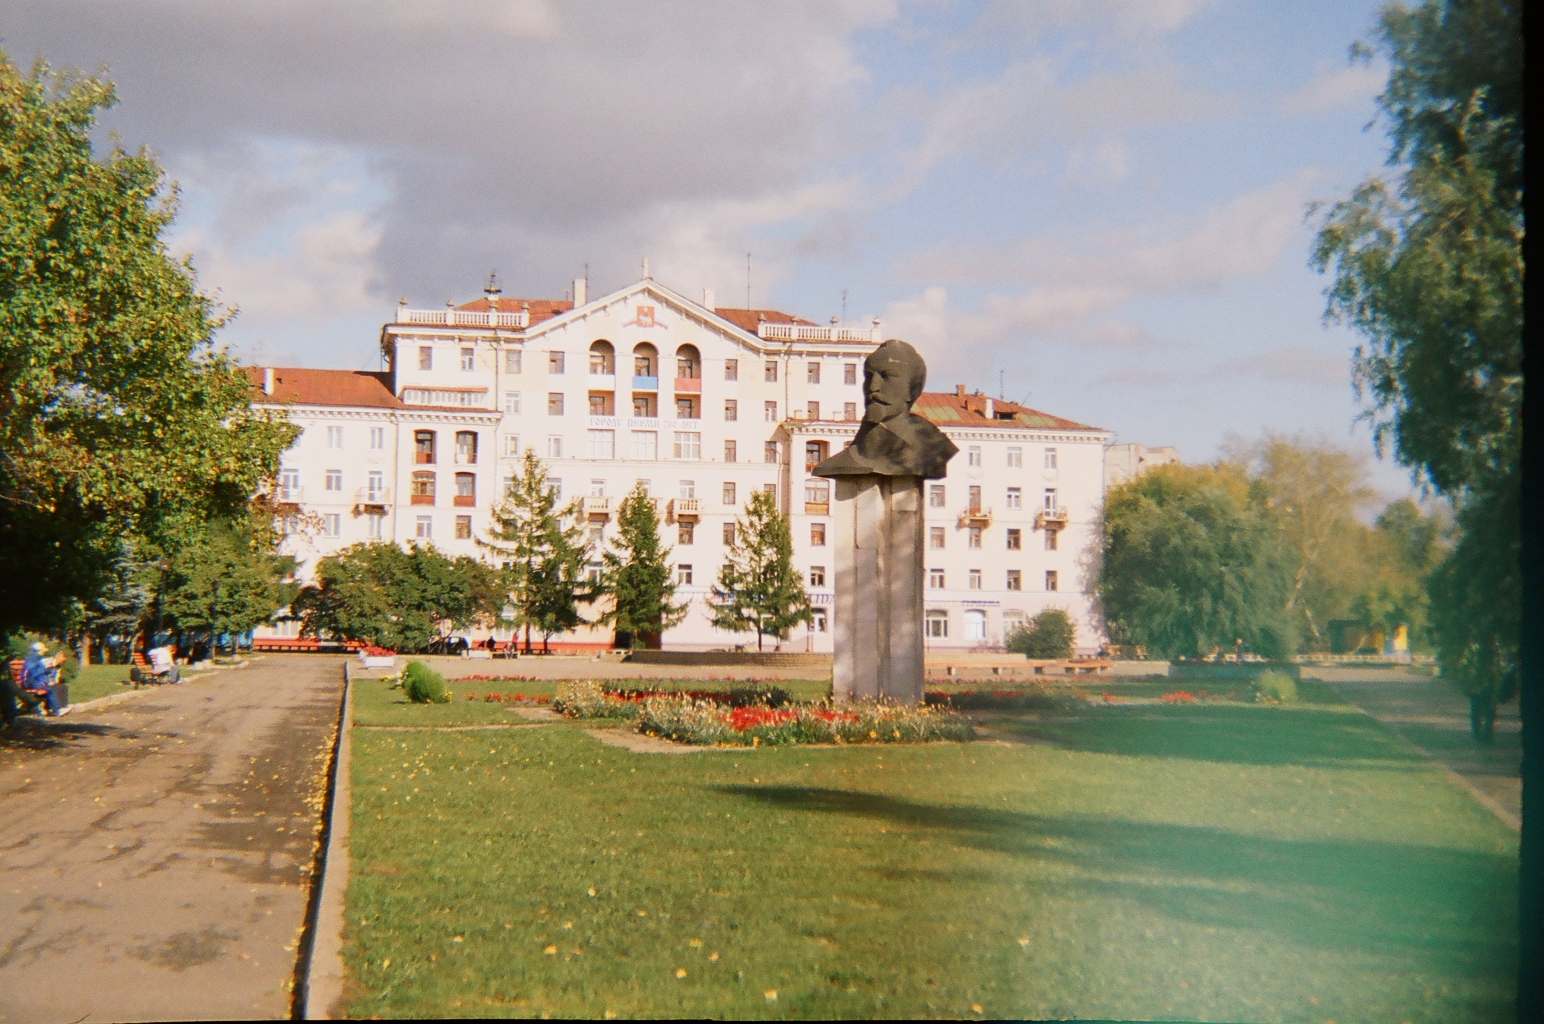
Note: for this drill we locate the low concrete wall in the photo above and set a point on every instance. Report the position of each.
(728, 659)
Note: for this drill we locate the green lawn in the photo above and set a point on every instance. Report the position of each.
(98, 681)
(1212, 862)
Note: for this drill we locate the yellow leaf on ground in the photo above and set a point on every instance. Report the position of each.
(771, 995)
(551, 951)
(680, 972)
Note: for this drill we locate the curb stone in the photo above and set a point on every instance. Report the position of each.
(323, 997)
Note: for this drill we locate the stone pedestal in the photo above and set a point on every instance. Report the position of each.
(879, 558)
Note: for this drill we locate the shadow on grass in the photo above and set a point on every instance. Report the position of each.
(1429, 903)
(1220, 732)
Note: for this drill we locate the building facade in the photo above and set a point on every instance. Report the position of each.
(703, 405)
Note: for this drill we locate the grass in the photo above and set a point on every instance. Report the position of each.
(1215, 861)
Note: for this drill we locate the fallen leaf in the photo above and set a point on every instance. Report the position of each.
(551, 951)
(975, 1008)
(771, 995)
(680, 972)
(695, 943)
(712, 956)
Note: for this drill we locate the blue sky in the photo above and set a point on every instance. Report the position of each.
(1101, 204)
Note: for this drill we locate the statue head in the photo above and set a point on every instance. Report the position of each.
(893, 377)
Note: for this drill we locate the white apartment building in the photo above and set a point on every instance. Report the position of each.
(703, 405)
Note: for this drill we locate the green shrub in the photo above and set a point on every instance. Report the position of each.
(1275, 688)
(1048, 635)
(423, 685)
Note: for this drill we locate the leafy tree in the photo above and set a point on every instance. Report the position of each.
(1048, 635)
(758, 588)
(396, 598)
(1401, 553)
(1430, 272)
(1192, 559)
(117, 417)
(637, 577)
(226, 580)
(543, 559)
(126, 593)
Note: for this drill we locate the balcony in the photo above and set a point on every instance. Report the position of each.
(371, 500)
(814, 332)
(976, 516)
(461, 318)
(423, 458)
(817, 508)
(1051, 519)
(292, 493)
(686, 508)
(464, 501)
(645, 383)
(688, 385)
(603, 382)
(421, 499)
(591, 507)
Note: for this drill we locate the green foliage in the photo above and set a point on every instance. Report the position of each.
(1275, 688)
(125, 594)
(1049, 635)
(1431, 275)
(758, 587)
(705, 722)
(395, 598)
(636, 576)
(1401, 552)
(17, 646)
(543, 560)
(1193, 558)
(225, 579)
(423, 685)
(583, 698)
(119, 418)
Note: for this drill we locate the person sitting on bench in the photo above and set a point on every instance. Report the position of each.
(162, 668)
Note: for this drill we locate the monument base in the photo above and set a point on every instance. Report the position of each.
(878, 613)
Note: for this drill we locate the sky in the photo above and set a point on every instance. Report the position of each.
(1098, 207)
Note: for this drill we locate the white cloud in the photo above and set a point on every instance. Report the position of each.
(1355, 85)
(1287, 365)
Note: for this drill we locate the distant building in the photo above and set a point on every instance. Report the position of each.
(1124, 461)
(702, 405)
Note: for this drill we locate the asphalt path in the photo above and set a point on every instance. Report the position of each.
(157, 854)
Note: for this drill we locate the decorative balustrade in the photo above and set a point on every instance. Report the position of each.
(686, 508)
(1050, 518)
(814, 332)
(594, 507)
(376, 496)
(976, 516)
(462, 318)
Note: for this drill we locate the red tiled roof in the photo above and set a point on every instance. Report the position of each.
(299, 386)
(747, 319)
(540, 309)
(970, 410)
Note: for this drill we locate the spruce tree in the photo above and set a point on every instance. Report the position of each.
(758, 588)
(637, 577)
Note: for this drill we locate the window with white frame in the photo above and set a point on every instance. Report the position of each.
(727, 495)
(289, 485)
(769, 411)
(817, 535)
(512, 361)
(973, 455)
(935, 495)
(812, 372)
(935, 579)
(1050, 499)
(646, 445)
(468, 360)
(1015, 538)
(423, 528)
(377, 439)
(555, 403)
(731, 451)
(375, 526)
(512, 403)
(817, 575)
(1015, 579)
(849, 411)
(850, 373)
(334, 480)
(935, 537)
(688, 489)
(646, 485)
(597, 488)
(603, 444)
(731, 410)
(685, 532)
(973, 579)
(770, 371)
(728, 535)
(975, 624)
(512, 444)
(1015, 497)
(335, 437)
(769, 452)
(1015, 458)
(463, 527)
(332, 525)
(375, 485)
(554, 446)
(1050, 458)
(974, 536)
(1051, 579)
(936, 624)
(731, 369)
(554, 363)
(555, 487)
(687, 445)
(425, 357)
(1050, 539)
(683, 575)
(818, 620)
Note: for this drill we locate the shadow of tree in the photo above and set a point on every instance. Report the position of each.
(46, 734)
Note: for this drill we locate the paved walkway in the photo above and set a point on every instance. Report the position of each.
(156, 854)
(1434, 716)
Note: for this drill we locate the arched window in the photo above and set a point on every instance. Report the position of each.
(603, 357)
(645, 360)
(688, 363)
(975, 624)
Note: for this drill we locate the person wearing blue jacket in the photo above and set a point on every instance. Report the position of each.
(42, 673)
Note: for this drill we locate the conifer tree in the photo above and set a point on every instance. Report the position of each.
(637, 577)
(758, 587)
(543, 559)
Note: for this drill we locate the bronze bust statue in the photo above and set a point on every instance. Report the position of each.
(893, 440)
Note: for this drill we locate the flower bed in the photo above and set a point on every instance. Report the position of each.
(587, 699)
(510, 698)
(495, 679)
(997, 700)
(702, 722)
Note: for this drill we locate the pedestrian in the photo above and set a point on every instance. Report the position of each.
(42, 673)
(14, 700)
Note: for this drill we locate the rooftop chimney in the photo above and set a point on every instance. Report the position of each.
(580, 298)
(709, 300)
(267, 380)
(959, 391)
(990, 410)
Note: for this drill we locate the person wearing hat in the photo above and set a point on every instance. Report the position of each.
(42, 673)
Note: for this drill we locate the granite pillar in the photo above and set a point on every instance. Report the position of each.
(879, 569)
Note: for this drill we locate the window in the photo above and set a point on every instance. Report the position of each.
(555, 403)
(647, 485)
(554, 362)
(1015, 538)
(423, 447)
(935, 579)
(1013, 621)
(512, 401)
(376, 489)
(598, 405)
(377, 438)
(332, 524)
(731, 451)
(812, 373)
(975, 537)
(643, 406)
(849, 411)
(334, 480)
(729, 535)
(683, 575)
(602, 359)
(506, 483)
(850, 373)
(512, 361)
(935, 495)
(468, 360)
(686, 364)
(643, 361)
(817, 535)
(425, 357)
(289, 485)
(936, 537)
(975, 624)
(463, 527)
(1050, 499)
(817, 492)
(731, 410)
(731, 369)
(466, 490)
(1050, 458)
(814, 454)
(770, 371)
(686, 409)
(818, 620)
(1050, 579)
(423, 528)
(375, 526)
(688, 489)
(335, 437)
(769, 452)
(685, 532)
(769, 411)
(1015, 458)
(727, 494)
(554, 446)
(646, 445)
(688, 445)
(1015, 579)
(555, 486)
(1015, 497)
(974, 492)
(603, 444)
(817, 575)
(973, 579)
(973, 455)
(812, 410)
(770, 489)
(466, 447)
(1050, 539)
(511, 444)
(936, 624)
